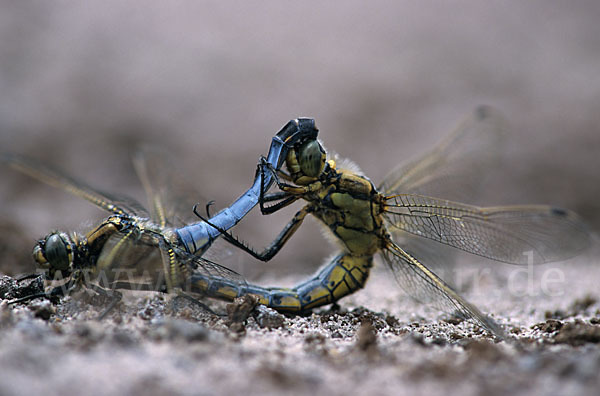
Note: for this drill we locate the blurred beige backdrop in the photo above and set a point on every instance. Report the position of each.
(83, 83)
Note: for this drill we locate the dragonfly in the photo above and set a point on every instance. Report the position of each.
(90, 259)
(390, 220)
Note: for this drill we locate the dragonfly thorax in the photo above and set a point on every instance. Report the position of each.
(350, 206)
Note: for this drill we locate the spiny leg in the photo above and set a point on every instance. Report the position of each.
(285, 200)
(48, 296)
(183, 295)
(274, 247)
(58, 291)
(284, 196)
(289, 188)
(114, 296)
(28, 276)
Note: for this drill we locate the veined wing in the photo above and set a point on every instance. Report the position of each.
(188, 264)
(426, 287)
(155, 191)
(149, 260)
(131, 258)
(141, 162)
(55, 178)
(171, 198)
(456, 166)
(502, 233)
(179, 266)
(438, 257)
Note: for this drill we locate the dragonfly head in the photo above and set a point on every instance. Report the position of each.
(54, 253)
(306, 162)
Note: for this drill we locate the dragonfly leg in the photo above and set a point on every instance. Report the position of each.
(285, 197)
(207, 207)
(274, 247)
(58, 291)
(277, 173)
(274, 196)
(28, 276)
(30, 297)
(290, 188)
(114, 296)
(285, 200)
(181, 294)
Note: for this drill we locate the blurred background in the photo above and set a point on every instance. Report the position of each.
(83, 84)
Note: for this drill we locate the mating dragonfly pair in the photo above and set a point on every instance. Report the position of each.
(365, 219)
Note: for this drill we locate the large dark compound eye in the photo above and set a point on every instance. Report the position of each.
(53, 252)
(312, 158)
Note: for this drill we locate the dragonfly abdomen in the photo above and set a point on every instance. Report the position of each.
(344, 275)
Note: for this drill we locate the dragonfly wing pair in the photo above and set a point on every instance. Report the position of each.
(135, 246)
(456, 168)
(46, 174)
(512, 234)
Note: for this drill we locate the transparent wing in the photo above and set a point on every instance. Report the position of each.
(155, 190)
(181, 266)
(437, 256)
(426, 287)
(131, 259)
(109, 202)
(188, 264)
(503, 233)
(455, 168)
(152, 262)
(171, 198)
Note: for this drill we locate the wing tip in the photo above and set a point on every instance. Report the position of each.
(486, 112)
(483, 111)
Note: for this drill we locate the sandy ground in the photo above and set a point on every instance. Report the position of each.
(84, 84)
(152, 344)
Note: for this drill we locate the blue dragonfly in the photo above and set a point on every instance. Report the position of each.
(103, 258)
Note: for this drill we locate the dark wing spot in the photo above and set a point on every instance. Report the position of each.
(482, 112)
(558, 211)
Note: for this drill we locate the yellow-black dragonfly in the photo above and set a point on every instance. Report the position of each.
(367, 220)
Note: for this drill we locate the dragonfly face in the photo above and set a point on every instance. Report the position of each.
(307, 162)
(60, 254)
(54, 253)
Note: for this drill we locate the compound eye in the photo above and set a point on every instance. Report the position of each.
(39, 257)
(312, 158)
(56, 252)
